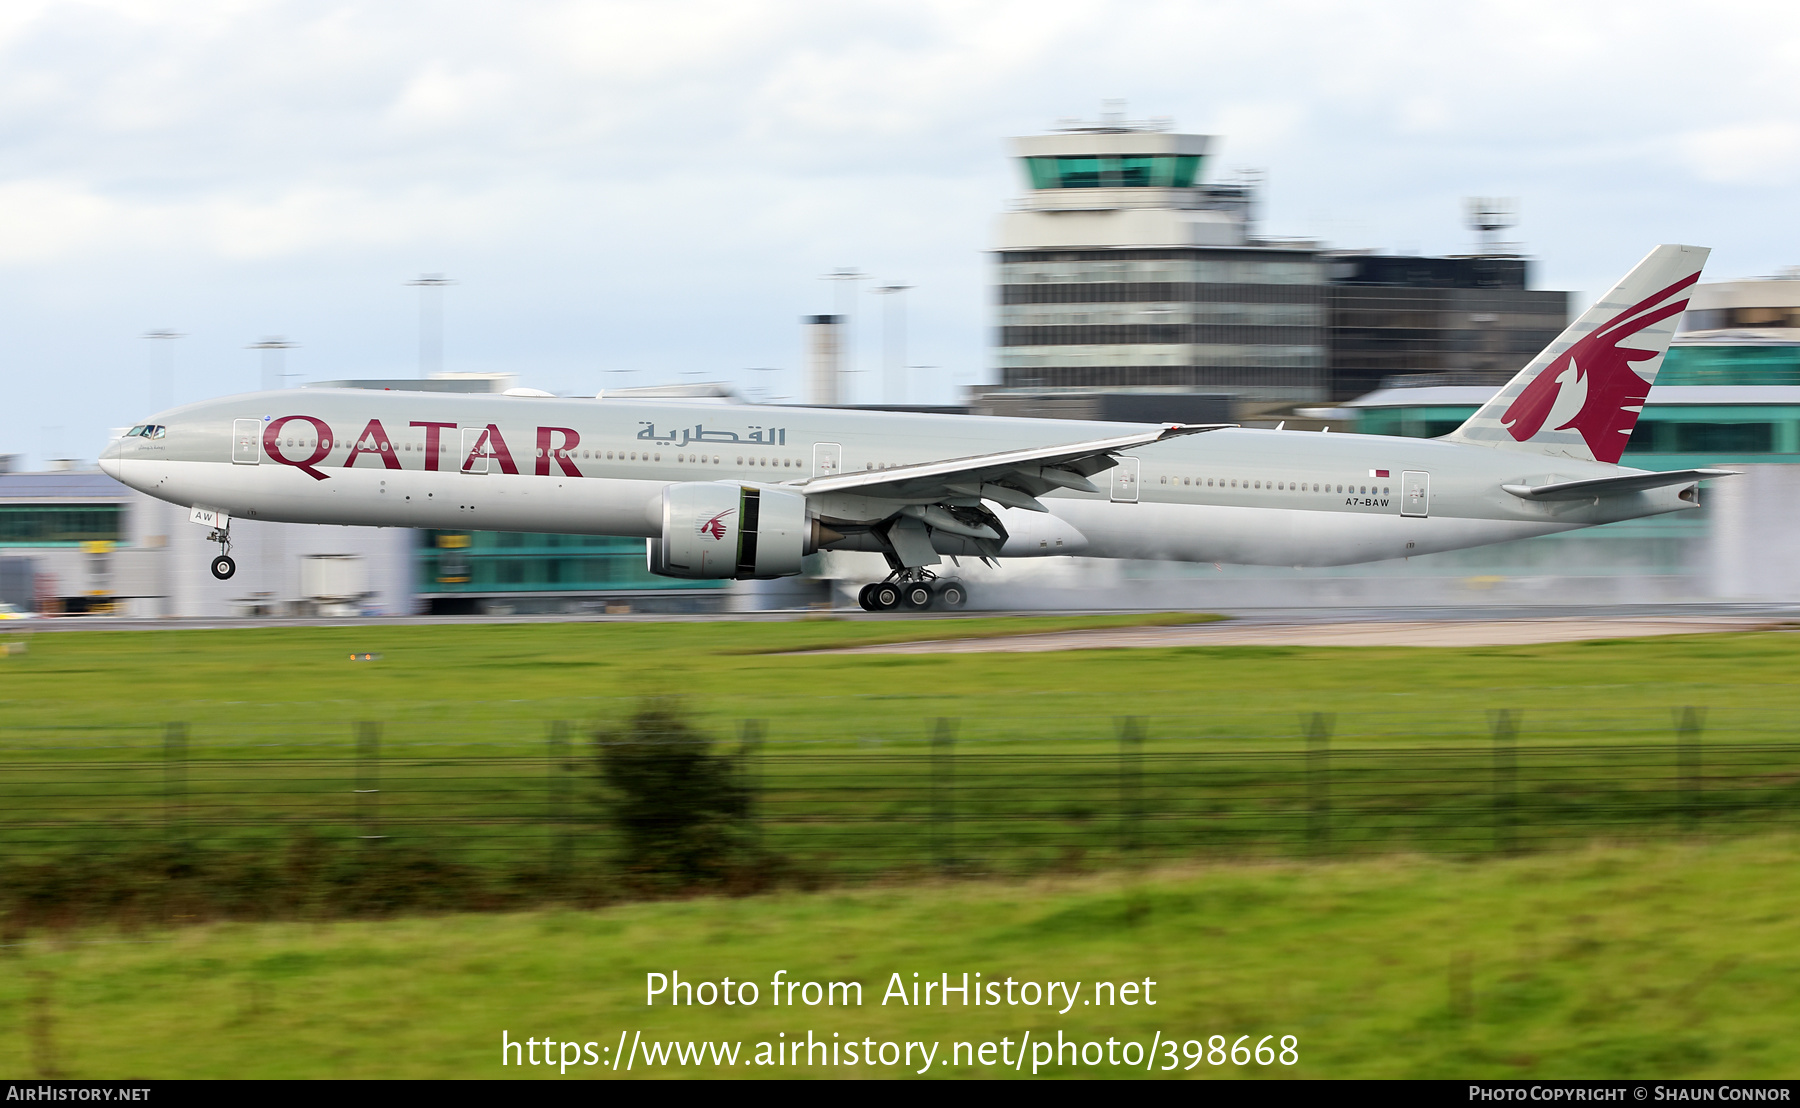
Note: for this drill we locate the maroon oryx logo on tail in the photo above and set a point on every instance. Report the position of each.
(715, 527)
(1605, 394)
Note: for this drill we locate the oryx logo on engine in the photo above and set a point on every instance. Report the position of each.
(714, 527)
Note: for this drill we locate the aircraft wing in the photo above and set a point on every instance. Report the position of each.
(1614, 486)
(1015, 478)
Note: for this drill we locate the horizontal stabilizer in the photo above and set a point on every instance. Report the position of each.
(1614, 486)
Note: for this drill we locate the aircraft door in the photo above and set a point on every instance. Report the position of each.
(246, 441)
(828, 459)
(1415, 493)
(472, 462)
(1125, 481)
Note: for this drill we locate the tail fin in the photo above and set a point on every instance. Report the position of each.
(1581, 396)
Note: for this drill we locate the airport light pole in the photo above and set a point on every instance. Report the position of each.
(845, 298)
(893, 336)
(162, 367)
(431, 288)
(766, 392)
(274, 361)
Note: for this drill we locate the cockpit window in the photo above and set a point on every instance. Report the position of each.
(157, 431)
(135, 431)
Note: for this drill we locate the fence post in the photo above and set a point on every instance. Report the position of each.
(750, 770)
(562, 845)
(943, 794)
(1131, 782)
(1318, 780)
(368, 781)
(1504, 724)
(175, 783)
(1688, 723)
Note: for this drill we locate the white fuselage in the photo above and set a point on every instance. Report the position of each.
(581, 466)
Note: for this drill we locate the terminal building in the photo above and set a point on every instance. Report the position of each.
(1123, 270)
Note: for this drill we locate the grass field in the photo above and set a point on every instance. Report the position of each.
(1667, 954)
(847, 771)
(466, 682)
(1672, 960)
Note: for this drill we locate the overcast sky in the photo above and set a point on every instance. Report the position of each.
(630, 193)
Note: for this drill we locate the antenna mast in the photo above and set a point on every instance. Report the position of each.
(1488, 216)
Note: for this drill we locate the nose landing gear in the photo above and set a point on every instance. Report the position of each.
(915, 589)
(223, 566)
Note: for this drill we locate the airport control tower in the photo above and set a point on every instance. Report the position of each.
(1122, 268)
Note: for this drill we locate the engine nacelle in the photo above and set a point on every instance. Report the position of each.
(720, 529)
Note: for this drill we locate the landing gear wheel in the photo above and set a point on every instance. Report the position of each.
(953, 594)
(917, 596)
(223, 567)
(885, 596)
(865, 599)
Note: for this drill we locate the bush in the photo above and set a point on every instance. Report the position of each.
(680, 809)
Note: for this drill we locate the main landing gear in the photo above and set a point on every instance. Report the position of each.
(916, 589)
(222, 564)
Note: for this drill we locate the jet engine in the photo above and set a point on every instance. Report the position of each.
(721, 529)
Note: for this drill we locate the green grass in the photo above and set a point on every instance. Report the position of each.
(1672, 961)
(846, 766)
(463, 678)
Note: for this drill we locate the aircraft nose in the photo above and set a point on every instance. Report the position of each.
(109, 459)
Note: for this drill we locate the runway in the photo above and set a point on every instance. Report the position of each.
(1463, 626)
(1427, 633)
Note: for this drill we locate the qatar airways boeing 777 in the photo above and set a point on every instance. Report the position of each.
(747, 491)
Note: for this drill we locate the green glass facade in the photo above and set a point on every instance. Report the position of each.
(1671, 437)
(1668, 436)
(486, 563)
(1066, 171)
(59, 524)
(1731, 365)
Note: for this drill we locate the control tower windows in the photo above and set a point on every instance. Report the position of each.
(1076, 171)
